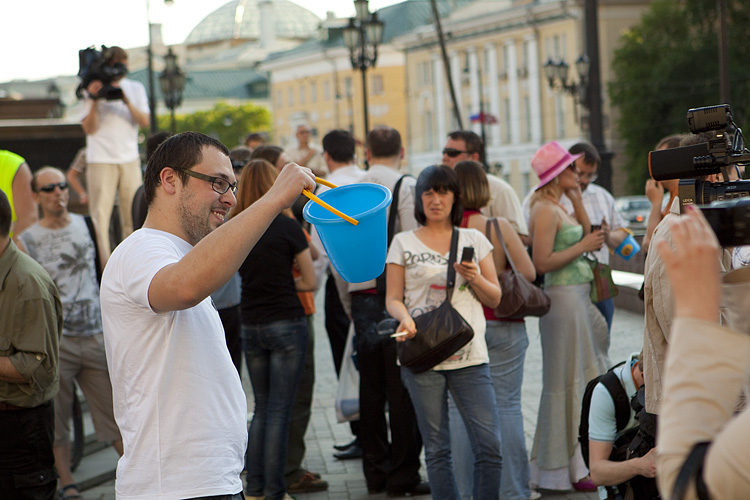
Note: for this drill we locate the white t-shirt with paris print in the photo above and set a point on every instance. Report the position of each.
(425, 276)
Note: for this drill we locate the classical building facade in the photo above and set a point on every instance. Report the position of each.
(496, 52)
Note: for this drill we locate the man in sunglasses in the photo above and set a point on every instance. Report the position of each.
(178, 398)
(65, 245)
(465, 145)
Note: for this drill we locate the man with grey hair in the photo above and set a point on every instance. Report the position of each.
(306, 154)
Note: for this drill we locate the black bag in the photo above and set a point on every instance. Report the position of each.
(520, 298)
(440, 332)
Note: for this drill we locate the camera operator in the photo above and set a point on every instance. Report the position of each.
(658, 300)
(706, 367)
(111, 128)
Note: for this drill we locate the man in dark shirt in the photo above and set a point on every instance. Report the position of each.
(30, 329)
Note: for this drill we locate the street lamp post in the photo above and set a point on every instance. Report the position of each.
(172, 81)
(150, 68)
(362, 36)
(557, 77)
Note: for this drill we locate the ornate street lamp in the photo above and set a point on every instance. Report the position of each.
(172, 81)
(557, 77)
(150, 67)
(362, 36)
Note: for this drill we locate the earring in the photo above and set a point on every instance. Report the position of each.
(556, 180)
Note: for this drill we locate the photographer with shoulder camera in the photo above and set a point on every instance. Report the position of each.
(115, 108)
(659, 313)
(707, 364)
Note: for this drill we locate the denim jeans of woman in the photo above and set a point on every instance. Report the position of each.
(275, 354)
(472, 390)
(507, 343)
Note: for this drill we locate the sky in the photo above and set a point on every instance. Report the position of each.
(41, 38)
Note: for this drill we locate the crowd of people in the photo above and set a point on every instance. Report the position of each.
(217, 265)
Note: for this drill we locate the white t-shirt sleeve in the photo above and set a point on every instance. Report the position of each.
(396, 250)
(141, 267)
(602, 421)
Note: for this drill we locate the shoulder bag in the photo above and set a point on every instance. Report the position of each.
(440, 332)
(603, 287)
(520, 298)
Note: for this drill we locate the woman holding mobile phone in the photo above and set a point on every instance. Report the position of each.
(574, 333)
(415, 284)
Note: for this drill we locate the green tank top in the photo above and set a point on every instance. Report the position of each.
(575, 272)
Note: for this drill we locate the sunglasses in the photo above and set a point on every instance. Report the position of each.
(452, 153)
(51, 187)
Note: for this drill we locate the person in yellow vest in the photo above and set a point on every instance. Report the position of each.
(15, 182)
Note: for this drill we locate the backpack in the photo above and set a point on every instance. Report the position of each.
(622, 406)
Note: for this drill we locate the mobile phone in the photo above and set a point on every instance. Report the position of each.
(468, 254)
(595, 227)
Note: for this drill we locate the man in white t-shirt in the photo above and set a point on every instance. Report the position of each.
(113, 161)
(178, 399)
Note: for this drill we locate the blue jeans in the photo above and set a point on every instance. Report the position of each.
(275, 356)
(471, 388)
(507, 343)
(607, 308)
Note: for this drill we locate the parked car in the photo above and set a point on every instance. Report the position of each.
(634, 209)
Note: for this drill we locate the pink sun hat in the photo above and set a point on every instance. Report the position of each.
(550, 161)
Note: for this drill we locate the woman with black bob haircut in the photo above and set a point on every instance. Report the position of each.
(416, 275)
(440, 179)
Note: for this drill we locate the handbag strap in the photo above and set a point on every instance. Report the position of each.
(392, 214)
(488, 230)
(451, 271)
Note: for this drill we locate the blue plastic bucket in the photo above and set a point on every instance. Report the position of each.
(356, 252)
(628, 248)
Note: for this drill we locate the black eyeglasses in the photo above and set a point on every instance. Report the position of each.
(452, 152)
(51, 187)
(218, 184)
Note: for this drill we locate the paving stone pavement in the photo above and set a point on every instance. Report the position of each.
(345, 477)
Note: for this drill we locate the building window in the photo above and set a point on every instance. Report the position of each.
(302, 95)
(348, 86)
(376, 85)
(314, 92)
(290, 96)
(428, 126)
(326, 90)
(279, 99)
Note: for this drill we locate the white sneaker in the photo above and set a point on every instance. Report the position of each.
(535, 495)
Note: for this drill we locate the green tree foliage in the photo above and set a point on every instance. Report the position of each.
(229, 124)
(668, 64)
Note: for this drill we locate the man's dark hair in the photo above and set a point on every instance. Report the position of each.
(472, 141)
(6, 215)
(339, 144)
(180, 152)
(439, 178)
(153, 142)
(269, 153)
(384, 142)
(590, 154)
(255, 136)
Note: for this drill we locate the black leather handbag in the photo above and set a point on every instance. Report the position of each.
(440, 332)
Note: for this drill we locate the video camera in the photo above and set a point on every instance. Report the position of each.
(726, 211)
(95, 65)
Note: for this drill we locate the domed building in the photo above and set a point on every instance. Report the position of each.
(240, 20)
